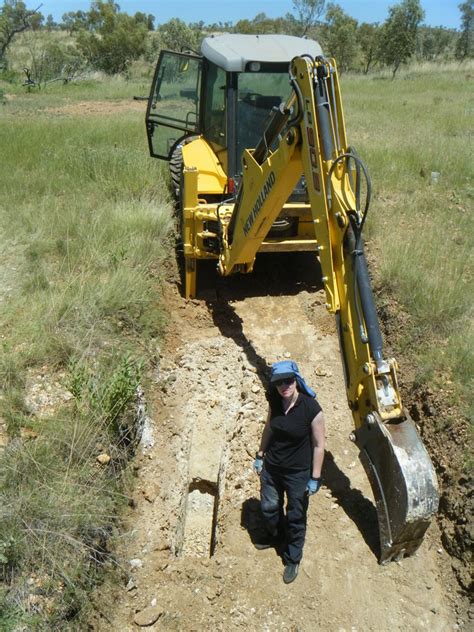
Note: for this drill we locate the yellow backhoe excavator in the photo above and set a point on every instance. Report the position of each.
(254, 132)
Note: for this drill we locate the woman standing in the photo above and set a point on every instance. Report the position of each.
(289, 461)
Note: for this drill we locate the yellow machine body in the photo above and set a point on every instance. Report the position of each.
(307, 137)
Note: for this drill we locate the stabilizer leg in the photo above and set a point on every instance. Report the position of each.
(190, 274)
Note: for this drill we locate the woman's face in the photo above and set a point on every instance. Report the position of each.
(286, 388)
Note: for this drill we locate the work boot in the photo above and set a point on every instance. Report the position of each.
(290, 573)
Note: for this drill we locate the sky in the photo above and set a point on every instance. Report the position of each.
(437, 12)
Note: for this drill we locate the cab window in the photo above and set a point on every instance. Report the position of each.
(173, 105)
(214, 122)
(257, 94)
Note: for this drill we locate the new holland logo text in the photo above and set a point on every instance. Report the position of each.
(259, 202)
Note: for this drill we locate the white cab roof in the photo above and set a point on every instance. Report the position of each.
(232, 52)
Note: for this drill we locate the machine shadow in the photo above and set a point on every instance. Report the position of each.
(273, 275)
(357, 507)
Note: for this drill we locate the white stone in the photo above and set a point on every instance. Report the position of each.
(136, 563)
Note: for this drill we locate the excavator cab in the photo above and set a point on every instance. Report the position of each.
(220, 96)
(254, 132)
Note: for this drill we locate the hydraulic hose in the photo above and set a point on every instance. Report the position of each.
(363, 296)
(277, 123)
(299, 97)
(364, 290)
(350, 156)
(323, 113)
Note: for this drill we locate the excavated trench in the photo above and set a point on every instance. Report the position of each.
(200, 518)
(201, 513)
(201, 497)
(203, 455)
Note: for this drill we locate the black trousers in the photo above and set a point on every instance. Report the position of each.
(275, 484)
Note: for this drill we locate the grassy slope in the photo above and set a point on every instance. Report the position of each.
(85, 222)
(423, 230)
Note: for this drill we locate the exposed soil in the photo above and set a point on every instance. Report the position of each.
(87, 108)
(187, 548)
(100, 108)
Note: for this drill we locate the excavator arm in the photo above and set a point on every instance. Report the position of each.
(307, 136)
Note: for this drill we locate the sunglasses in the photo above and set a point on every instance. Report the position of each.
(287, 382)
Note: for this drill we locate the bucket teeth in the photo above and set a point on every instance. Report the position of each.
(403, 481)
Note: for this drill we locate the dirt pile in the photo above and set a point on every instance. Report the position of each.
(447, 442)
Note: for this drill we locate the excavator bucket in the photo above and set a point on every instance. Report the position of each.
(403, 481)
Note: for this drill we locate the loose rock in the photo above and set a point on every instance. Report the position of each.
(148, 616)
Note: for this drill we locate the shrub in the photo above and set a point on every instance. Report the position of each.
(116, 43)
(54, 60)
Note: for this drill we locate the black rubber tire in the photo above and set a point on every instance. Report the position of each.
(176, 170)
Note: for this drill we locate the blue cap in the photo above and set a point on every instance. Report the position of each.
(286, 369)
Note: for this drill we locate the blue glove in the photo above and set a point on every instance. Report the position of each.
(313, 486)
(258, 465)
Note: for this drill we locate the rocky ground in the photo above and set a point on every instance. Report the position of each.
(187, 548)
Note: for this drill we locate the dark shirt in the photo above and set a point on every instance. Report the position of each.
(290, 444)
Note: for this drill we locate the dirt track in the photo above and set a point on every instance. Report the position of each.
(196, 509)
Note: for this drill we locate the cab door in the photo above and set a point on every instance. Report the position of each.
(173, 105)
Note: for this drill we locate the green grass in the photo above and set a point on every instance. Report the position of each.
(86, 224)
(87, 87)
(59, 506)
(422, 230)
